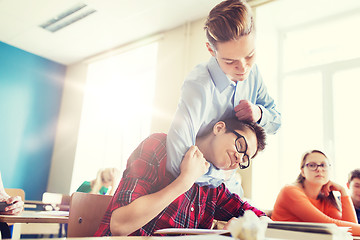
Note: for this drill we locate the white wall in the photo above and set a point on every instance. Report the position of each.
(67, 130)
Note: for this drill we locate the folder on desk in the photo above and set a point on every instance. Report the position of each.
(279, 230)
(306, 230)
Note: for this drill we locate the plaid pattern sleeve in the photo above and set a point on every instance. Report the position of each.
(231, 205)
(145, 173)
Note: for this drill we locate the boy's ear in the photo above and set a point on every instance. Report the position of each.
(210, 49)
(219, 127)
(348, 185)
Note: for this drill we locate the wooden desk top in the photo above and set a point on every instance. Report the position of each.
(187, 237)
(36, 217)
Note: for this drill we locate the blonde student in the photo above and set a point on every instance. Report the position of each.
(311, 198)
(229, 84)
(105, 182)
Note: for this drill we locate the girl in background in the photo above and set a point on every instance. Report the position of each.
(106, 178)
(311, 198)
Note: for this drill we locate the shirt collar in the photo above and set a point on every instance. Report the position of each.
(219, 78)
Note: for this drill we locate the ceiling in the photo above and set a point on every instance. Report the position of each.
(115, 23)
(118, 22)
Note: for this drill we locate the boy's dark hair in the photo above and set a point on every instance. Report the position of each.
(354, 174)
(229, 20)
(235, 124)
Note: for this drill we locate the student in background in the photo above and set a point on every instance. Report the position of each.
(106, 178)
(17, 204)
(229, 84)
(311, 198)
(354, 186)
(16, 207)
(149, 198)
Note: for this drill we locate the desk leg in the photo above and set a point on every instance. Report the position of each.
(16, 232)
(5, 230)
(62, 230)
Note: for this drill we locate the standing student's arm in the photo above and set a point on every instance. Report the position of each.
(186, 123)
(133, 216)
(246, 110)
(270, 118)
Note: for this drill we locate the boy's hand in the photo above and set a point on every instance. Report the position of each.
(245, 110)
(193, 166)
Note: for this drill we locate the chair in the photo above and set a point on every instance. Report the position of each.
(13, 192)
(58, 201)
(86, 212)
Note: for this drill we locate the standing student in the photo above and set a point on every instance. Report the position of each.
(150, 198)
(229, 84)
(311, 198)
(354, 186)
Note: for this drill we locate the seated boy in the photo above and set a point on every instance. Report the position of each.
(149, 198)
(354, 186)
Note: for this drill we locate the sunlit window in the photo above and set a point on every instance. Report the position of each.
(309, 51)
(324, 42)
(302, 121)
(117, 111)
(346, 87)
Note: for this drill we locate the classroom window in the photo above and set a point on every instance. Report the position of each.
(117, 111)
(313, 64)
(346, 85)
(326, 41)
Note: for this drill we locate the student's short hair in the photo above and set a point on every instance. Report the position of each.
(354, 174)
(229, 20)
(234, 124)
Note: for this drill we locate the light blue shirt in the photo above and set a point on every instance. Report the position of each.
(208, 96)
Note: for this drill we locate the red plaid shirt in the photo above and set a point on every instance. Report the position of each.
(197, 208)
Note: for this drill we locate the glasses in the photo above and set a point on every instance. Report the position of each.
(241, 147)
(313, 166)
